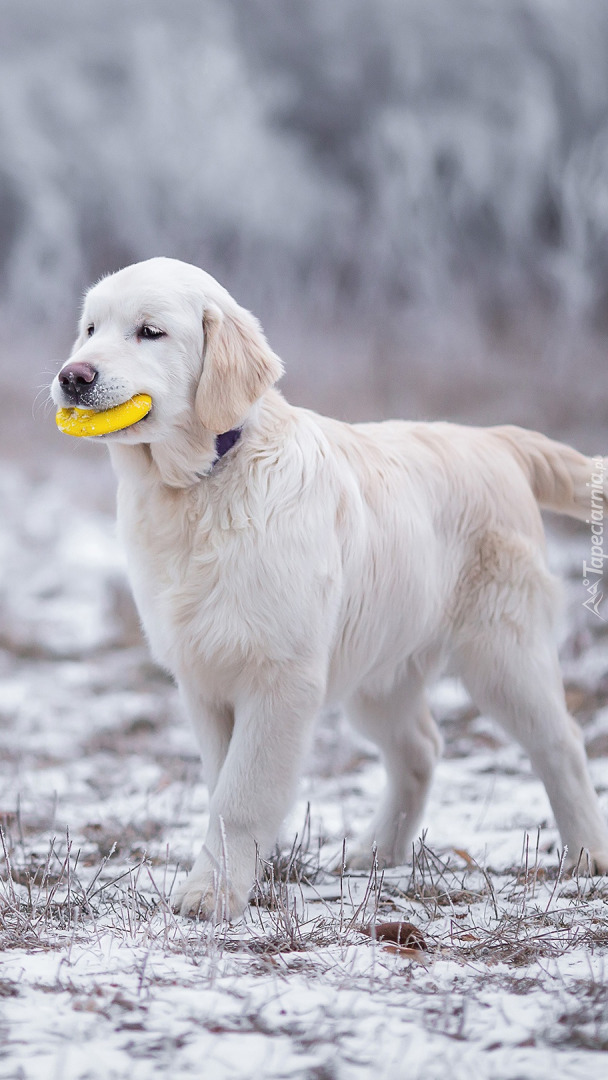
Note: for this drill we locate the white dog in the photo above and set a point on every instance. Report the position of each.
(280, 559)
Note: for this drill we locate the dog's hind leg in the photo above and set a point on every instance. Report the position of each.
(400, 724)
(512, 673)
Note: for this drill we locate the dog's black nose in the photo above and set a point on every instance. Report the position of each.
(77, 377)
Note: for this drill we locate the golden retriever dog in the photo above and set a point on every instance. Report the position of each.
(281, 560)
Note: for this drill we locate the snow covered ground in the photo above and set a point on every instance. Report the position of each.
(102, 806)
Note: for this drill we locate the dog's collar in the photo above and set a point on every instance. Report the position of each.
(225, 442)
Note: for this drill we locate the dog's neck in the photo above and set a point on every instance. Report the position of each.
(187, 459)
(191, 454)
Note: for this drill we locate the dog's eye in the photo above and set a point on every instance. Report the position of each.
(150, 333)
(90, 330)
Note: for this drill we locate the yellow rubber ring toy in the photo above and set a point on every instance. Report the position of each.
(89, 422)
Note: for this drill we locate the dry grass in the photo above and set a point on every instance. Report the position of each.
(495, 931)
(105, 807)
(467, 912)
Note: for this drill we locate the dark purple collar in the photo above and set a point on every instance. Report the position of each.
(225, 442)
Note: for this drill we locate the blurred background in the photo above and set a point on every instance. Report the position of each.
(412, 196)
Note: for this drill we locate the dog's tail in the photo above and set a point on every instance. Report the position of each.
(562, 479)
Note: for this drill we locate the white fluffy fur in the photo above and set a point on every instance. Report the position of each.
(319, 561)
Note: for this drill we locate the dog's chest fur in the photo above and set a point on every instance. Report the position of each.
(184, 570)
(213, 588)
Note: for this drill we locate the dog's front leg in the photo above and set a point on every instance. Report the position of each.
(250, 799)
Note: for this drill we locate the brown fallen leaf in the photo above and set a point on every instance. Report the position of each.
(469, 860)
(404, 934)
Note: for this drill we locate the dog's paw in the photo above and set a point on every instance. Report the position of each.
(363, 857)
(599, 862)
(207, 899)
(586, 863)
(590, 863)
(359, 860)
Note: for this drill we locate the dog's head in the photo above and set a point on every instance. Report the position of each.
(166, 329)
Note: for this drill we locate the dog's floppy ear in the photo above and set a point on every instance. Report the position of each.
(238, 366)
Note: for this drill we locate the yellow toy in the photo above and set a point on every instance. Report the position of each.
(89, 422)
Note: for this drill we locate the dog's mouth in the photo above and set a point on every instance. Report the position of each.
(99, 423)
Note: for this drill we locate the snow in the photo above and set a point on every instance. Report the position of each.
(103, 806)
